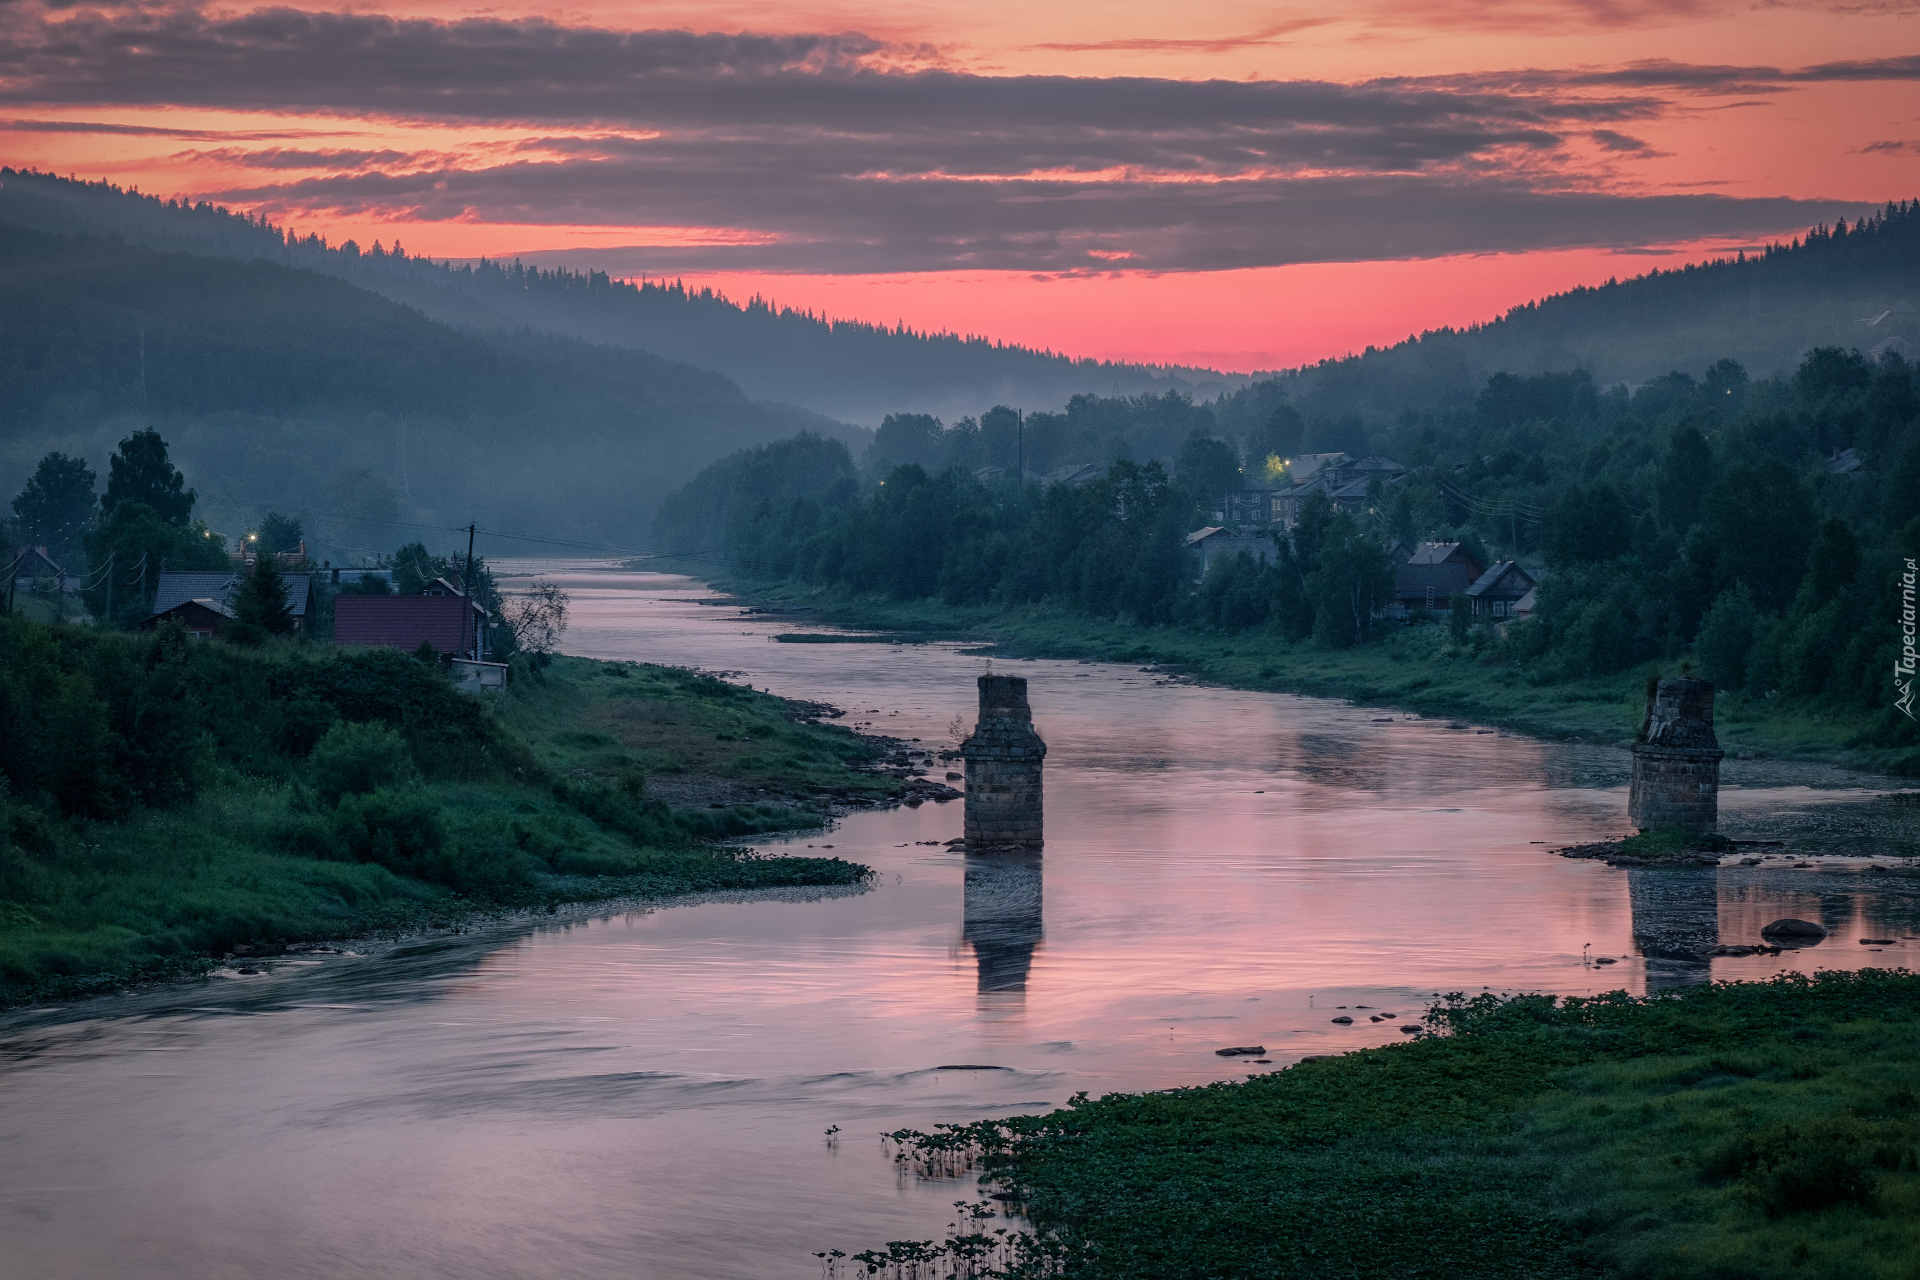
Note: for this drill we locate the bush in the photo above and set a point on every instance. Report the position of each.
(353, 759)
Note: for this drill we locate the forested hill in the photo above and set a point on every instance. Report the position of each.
(286, 387)
(847, 369)
(1847, 287)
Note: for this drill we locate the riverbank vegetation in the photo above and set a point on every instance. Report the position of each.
(1719, 522)
(163, 799)
(1724, 1131)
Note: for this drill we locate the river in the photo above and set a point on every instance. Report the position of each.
(646, 1093)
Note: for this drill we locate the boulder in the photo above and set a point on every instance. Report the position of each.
(1797, 930)
(1249, 1051)
(1343, 1019)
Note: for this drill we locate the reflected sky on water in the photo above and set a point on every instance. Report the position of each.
(645, 1093)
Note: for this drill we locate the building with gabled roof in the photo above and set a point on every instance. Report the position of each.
(176, 588)
(1433, 574)
(1497, 592)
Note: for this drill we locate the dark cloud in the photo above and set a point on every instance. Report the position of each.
(1612, 141)
(1888, 146)
(162, 131)
(844, 157)
(830, 223)
(1266, 37)
(303, 158)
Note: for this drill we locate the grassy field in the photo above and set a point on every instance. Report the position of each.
(1728, 1132)
(605, 780)
(1417, 668)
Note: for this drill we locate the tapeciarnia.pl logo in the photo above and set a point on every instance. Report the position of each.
(1904, 668)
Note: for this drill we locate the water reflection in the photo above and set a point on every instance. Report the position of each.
(1001, 919)
(1676, 920)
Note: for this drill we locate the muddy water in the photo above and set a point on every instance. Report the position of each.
(645, 1093)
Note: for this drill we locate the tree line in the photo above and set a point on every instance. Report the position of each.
(1754, 527)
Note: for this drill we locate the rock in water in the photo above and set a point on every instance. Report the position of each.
(1794, 929)
(1250, 1051)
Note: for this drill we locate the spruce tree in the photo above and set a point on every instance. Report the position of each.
(262, 599)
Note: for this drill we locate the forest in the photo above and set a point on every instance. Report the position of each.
(848, 369)
(1716, 520)
(284, 386)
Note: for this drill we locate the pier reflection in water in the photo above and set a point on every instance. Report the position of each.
(1002, 918)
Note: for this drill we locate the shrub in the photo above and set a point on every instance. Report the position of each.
(353, 759)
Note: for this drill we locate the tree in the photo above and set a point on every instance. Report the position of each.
(261, 601)
(1278, 437)
(908, 438)
(1207, 467)
(414, 568)
(1726, 638)
(55, 508)
(1685, 473)
(537, 617)
(279, 533)
(1587, 527)
(1354, 579)
(138, 543)
(140, 471)
(1833, 562)
(1756, 529)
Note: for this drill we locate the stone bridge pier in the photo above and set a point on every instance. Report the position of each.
(1003, 770)
(1676, 763)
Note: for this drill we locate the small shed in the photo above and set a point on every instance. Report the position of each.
(1497, 592)
(205, 617)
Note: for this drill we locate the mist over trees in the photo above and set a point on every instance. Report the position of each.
(287, 388)
(847, 369)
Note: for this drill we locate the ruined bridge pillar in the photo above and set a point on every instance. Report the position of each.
(1003, 770)
(1676, 763)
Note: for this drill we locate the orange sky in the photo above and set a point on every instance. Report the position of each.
(1574, 119)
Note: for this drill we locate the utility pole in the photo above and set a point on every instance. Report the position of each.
(466, 584)
(110, 556)
(1020, 435)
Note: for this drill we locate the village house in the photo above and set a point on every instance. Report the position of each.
(1251, 503)
(1214, 542)
(204, 618)
(1432, 575)
(33, 564)
(212, 593)
(1497, 593)
(441, 616)
(1348, 482)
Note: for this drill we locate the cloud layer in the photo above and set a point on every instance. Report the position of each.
(839, 153)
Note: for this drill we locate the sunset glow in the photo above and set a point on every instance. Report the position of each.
(1225, 184)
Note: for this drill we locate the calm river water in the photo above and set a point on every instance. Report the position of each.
(644, 1094)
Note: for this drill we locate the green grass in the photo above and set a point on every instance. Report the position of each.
(1417, 668)
(86, 905)
(1732, 1131)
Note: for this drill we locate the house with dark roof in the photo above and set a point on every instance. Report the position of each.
(1497, 593)
(1251, 503)
(1433, 574)
(447, 620)
(220, 585)
(204, 618)
(31, 564)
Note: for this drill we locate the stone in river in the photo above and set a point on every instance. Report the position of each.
(1791, 928)
(1343, 1018)
(1876, 942)
(1244, 1050)
(1413, 1029)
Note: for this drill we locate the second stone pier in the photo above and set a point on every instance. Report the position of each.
(1003, 770)
(1676, 763)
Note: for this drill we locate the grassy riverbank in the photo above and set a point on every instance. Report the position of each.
(1730, 1131)
(1418, 668)
(166, 801)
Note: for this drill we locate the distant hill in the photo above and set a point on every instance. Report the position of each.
(1852, 287)
(846, 369)
(283, 386)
